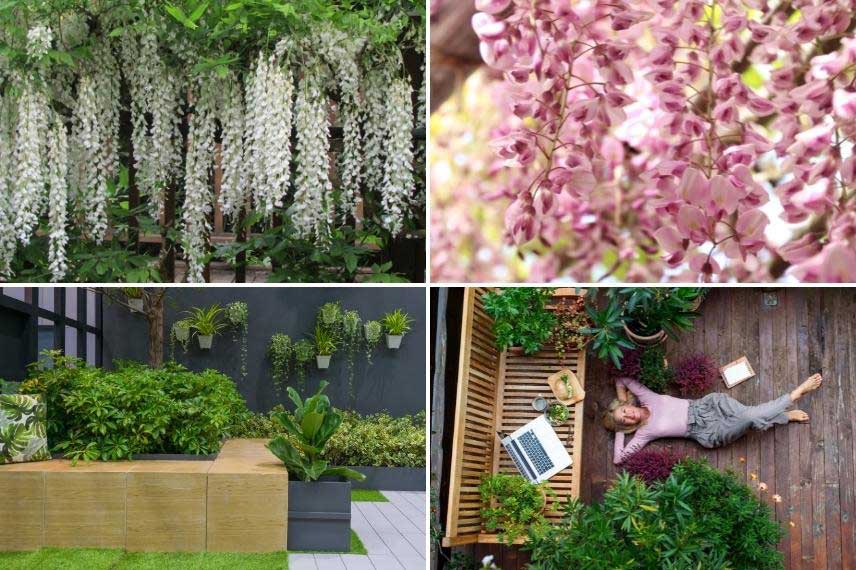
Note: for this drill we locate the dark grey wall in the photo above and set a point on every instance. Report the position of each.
(395, 382)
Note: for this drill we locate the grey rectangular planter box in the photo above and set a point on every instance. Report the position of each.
(391, 478)
(319, 516)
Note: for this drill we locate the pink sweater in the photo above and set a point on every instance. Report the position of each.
(669, 418)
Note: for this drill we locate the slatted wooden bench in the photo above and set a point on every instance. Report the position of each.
(238, 502)
(494, 393)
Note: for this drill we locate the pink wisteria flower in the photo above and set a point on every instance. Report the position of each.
(659, 140)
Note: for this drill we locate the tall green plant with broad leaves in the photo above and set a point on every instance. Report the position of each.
(312, 425)
(607, 328)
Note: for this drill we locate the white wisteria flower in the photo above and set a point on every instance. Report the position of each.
(232, 190)
(28, 184)
(39, 40)
(398, 184)
(313, 211)
(57, 198)
(7, 220)
(198, 200)
(90, 176)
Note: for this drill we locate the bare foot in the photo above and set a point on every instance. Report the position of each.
(797, 416)
(812, 383)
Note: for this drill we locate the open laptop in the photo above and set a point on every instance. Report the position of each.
(536, 450)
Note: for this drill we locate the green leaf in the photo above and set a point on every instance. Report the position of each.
(180, 16)
(198, 12)
(752, 78)
(350, 262)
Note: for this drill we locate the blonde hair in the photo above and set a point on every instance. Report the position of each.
(608, 417)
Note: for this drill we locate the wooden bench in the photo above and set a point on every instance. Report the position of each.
(494, 393)
(238, 502)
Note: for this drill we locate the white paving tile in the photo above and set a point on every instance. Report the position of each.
(393, 532)
(302, 562)
(330, 561)
(386, 561)
(358, 562)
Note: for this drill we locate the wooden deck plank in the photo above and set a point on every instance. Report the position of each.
(812, 466)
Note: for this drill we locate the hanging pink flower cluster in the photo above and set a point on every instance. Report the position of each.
(663, 140)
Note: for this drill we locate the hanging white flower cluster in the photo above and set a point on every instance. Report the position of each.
(340, 51)
(155, 99)
(28, 178)
(7, 223)
(268, 131)
(198, 195)
(39, 40)
(57, 198)
(234, 184)
(90, 176)
(397, 190)
(376, 82)
(313, 210)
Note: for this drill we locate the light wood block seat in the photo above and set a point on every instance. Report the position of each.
(163, 506)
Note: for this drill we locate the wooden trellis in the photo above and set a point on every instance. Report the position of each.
(494, 393)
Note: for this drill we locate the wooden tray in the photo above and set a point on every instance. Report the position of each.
(579, 393)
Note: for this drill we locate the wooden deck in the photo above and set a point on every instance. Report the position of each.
(812, 467)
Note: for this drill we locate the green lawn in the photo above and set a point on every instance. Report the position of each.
(95, 559)
(368, 495)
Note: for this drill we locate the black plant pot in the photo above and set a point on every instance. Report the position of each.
(319, 515)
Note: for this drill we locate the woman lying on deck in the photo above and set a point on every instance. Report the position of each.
(713, 421)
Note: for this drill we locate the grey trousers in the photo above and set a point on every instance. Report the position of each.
(717, 419)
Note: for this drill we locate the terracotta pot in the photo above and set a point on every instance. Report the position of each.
(642, 340)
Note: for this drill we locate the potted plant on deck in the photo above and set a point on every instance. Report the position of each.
(325, 345)
(520, 317)
(396, 324)
(653, 313)
(512, 504)
(206, 323)
(319, 506)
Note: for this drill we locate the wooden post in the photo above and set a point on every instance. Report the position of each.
(438, 403)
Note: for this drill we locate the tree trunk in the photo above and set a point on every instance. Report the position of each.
(154, 318)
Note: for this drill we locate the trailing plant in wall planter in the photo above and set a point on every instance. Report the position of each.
(134, 296)
(303, 351)
(206, 324)
(237, 313)
(325, 345)
(280, 352)
(373, 333)
(396, 324)
(314, 486)
(352, 338)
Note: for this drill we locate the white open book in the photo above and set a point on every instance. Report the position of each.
(736, 372)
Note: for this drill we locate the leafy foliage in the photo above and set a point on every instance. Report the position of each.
(607, 331)
(396, 322)
(110, 415)
(647, 310)
(206, 321)
(376, 440)
(511, 504)
(520, 317)
(653, 371)
(571, 317)
(311, 426)
(697, 518)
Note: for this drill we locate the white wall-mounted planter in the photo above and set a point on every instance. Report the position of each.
(323, 361)
(394, 341)
(182, 333)
(136, 305)
(205, 341)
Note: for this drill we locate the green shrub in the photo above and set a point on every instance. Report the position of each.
(520, 317)
(653, 371)
(511, 504)
(377, 440)
(697, 518)
(109, 415)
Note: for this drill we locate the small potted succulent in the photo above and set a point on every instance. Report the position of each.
(557, 413)
(135, 298)
(325, 345)
(512, 505)
(396, 324)
(206, 323)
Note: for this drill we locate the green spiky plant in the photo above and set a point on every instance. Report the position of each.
(311, 426)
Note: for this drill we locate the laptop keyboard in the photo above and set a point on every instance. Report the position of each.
(533, 448)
